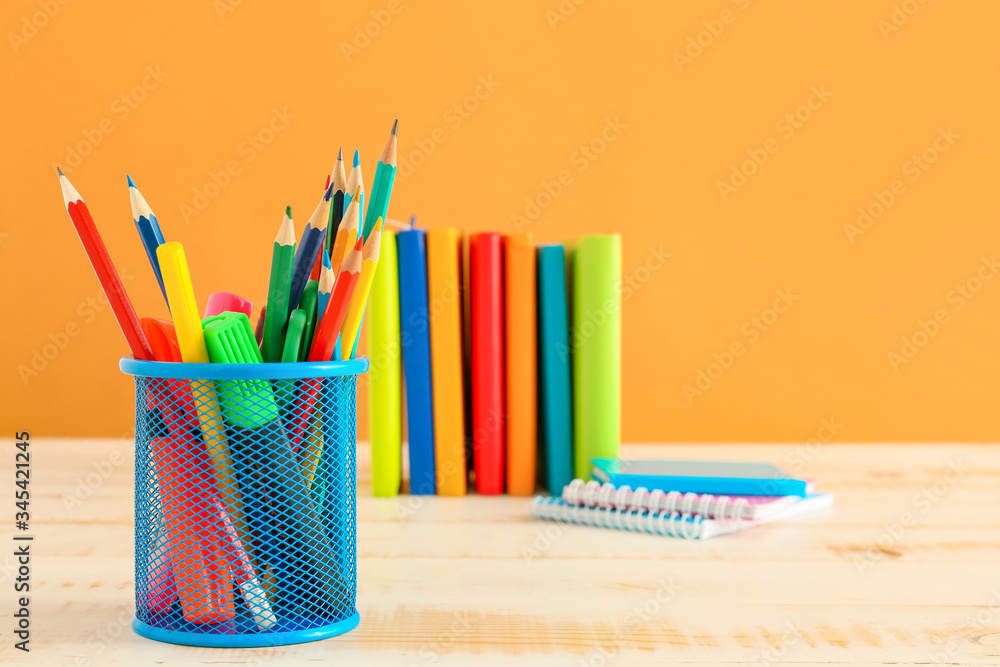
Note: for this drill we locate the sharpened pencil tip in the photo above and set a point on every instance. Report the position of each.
(131, 183)
(395, 127)
(326, 260)
(59, 170)
(357, 158)
(340, 154)
(288, 211)
(329, 193)
(413, 221)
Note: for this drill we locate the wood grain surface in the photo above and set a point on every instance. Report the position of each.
(904, 569)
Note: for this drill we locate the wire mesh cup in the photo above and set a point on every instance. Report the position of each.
(245, 501)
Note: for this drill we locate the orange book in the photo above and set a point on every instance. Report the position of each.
(444, 249)
(522, 388)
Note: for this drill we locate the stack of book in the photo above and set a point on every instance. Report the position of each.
(689, 499)
(506, 356)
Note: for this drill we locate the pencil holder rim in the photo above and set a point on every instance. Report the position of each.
(281, 371)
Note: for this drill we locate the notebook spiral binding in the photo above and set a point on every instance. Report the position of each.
(623, 498)
(670, 524)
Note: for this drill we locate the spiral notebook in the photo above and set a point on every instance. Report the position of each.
(609, 496)
(669, 524)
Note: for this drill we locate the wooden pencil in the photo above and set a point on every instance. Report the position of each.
(309, 247)
(279, 290)
(121, 305)
(348, 233)
(354, 181)
(385, 175)
(148, 228)
(336, 307)
(355, 311)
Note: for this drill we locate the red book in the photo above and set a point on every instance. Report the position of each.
(488, 417)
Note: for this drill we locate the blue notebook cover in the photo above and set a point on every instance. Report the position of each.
(416, 344)
(716, 477)
(555, 393)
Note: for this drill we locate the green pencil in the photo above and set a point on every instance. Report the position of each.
(282, 260)
(385, 175)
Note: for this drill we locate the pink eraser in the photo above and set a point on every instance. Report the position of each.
(227, 302)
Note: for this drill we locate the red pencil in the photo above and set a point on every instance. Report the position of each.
(105, 270)
(332, 319)
(336, 307)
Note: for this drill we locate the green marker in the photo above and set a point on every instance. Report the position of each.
(229, 339)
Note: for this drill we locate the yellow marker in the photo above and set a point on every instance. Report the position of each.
(347, 235)
(369, 260)
(191, 341)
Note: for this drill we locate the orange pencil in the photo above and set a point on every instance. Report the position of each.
(519, 321)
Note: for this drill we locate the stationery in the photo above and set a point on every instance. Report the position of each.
(279, 289)
(520, 354)
(488, 408)
(191, 341)
(555, 388)
(609, 496)
(100, 260)
(223, 302)
(384, 377)
(444, 247)
(416, 348)
(355, 188)
(309, 247)
(729, 477)
(385, 175)
(595, 345)
(355, 311)
(148, 228)
(669, 524)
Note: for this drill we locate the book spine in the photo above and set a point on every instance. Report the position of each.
(596, 348)
(416, 347)
(555, 389)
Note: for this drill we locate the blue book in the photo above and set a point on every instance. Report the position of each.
(731, 478)
(416, 346)
(555, 389)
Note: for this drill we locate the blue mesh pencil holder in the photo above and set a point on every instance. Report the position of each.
(245, 501)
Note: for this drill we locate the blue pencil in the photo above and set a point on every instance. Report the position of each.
(354, 181)
(309, 248)
(149, 230)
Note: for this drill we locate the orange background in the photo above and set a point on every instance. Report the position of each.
(682, 125)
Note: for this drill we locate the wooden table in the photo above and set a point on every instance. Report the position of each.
(474, 581)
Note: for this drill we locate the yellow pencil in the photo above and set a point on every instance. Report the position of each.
(369, 261)
(347, 235)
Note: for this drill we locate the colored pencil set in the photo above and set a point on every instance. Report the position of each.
(250, 472)
(506, 354)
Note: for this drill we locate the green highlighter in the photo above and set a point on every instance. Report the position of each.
(245, 403)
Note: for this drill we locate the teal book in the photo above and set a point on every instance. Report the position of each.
(555, 388)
